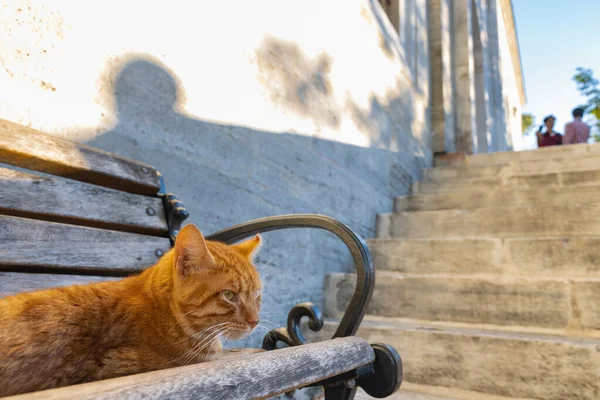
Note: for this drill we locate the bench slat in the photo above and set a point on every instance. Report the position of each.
(27, 148)
(60, 200)
(15, 282)
(27, 244)
(255, 376)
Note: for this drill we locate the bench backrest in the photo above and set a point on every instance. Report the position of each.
(70, 213)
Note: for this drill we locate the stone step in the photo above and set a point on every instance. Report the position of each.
(509, 222)
(469, 199)
(566, 257)
(501, 158)
(412, 391)
(403, 394)
(537, 167)
(511, 364)
(565, 180)
(561, 305)
(442, 174)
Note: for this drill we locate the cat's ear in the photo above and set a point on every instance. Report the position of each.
(191, 253)
(249, 248)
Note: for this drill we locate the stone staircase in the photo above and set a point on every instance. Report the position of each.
(488, 276)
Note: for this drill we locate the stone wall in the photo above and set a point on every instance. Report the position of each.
(249, 109)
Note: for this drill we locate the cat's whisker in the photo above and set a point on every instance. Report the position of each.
(270, 334)
(265, 327)
(211, 336)
(224, 332)
(198, 347)
(202, 332)
(207, 344)
(263, 312)
(262, 319)
(214, 334)
(262, 329)
(211, 327)
(186, 355)
(269, 274)
(266, 265)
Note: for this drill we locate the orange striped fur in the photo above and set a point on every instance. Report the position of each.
(172, 314)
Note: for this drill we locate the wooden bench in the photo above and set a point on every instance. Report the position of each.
(86, 215)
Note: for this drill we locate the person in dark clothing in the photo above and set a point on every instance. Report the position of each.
(550, 138)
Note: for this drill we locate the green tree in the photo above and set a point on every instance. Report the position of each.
(527, 121)
(589, 87)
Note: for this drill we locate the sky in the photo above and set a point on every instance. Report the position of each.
(555, 37)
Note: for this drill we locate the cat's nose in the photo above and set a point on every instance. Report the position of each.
(252, 322)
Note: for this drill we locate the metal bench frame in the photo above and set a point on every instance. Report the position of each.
(384, 376)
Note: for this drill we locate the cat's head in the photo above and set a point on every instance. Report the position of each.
(217, 289)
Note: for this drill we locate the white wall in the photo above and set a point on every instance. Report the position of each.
(248, 108)
(225, 57)
(496, 108)
(512, 97)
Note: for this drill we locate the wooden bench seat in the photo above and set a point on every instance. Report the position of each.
(249, 376)
(72, 214)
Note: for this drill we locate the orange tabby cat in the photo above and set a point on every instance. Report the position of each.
(170, 315)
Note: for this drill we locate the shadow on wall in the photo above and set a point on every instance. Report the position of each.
(410, 44)
(298, 83)
(227, 174)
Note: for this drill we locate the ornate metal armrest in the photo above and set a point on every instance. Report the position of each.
(380, 379)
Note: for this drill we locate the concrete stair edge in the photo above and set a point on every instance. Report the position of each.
(552, 368)
(482, 330)
(499, 158)
(547, 165)
(563, 305)
(571, 256)
(571, 220)
(566, 179)
(413, 391)
(509, 197)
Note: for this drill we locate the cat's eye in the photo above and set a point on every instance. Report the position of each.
(229, 295)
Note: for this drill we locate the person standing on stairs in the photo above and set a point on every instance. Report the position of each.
(550, 138)
(576, 131)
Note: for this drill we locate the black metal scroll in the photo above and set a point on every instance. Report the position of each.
(175, 212)
(293, 335)
(361, 257)
(379, 379)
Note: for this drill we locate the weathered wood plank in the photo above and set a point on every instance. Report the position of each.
(233, 353)
(255, 376)
(61, 200)
(14, 282)
(27, 244)
(31, 149)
